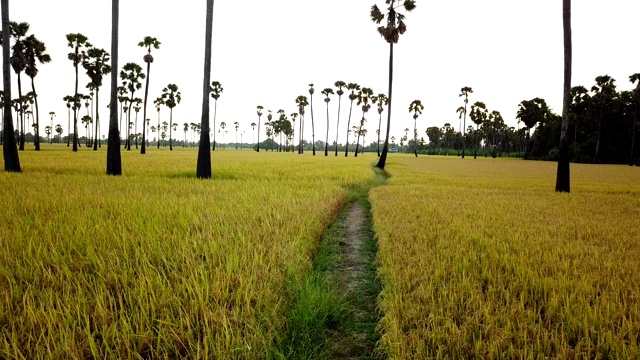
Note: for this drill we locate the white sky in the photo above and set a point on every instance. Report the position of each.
(267, 52)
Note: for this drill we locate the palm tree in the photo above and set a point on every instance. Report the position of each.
(216, 90)
(604, 91)
(382, 101)
(293, 128)
(563, 179)
(114, 164)
(259, 112)
(339, 84)
(9, 148)
(364, 96)
(253, 129)
(171, 97)
(313, 131)
(77, 42)
(19, 62)
(131, 74)
(203, 170)
(222, 126)
(269, 127)
(158, 102)
(391, 34)
(122, 91)
(353, 87)
(96, 64)
(635, 79)
(59, 130)
(69, 100)
(531, 112)
(416, 108)
(236, 125)
(465, 91)
(35, 52)
(52, 114)
(326, 92)
(147, 42)
(301, 102)
(479, 114)
(137, 109)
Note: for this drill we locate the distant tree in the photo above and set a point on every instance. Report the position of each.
(222, 126)
(353, 87)
(326, 92)
(416, 108)
(35, 52)
(96, 64)
(253, 129)
(59, 130)
(531, 112)
(158, 102)
(340, 85)
(131, 74)
(604, 92)
(478, 115)
(364, 96)
(580, 100)
(382, 102)
(236, 125)
(137, 109)
(259, 112)
(78, 43)
(301, 102)
(465, 91)
(185, 129)
(148, 42)
(216, 90)
(293, 119)
(171, 97)
(391, 34)
(313, 131)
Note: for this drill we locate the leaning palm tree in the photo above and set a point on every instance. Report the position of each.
(35, 52)
(131, 74)
(635, 79)
(114, 164)
(259, 112)
(353, 87)
(364, 96)
(216, 90)
(158, 102)
(171, 97)
(416, 108)
(465, 91)
(77, 42)
(96, 65)
(313, 131)
(563, 181)
(478, 115)
(391, 34)
(382, 102)
(9, 148)
(339, 84)
(147, 42)
(326, 92)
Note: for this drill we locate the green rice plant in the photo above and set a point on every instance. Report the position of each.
(156, 263)
(482, 259)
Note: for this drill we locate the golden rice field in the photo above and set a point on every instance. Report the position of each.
(482, 259)
(156, 263)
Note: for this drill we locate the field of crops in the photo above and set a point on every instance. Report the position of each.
(481, 258)
(158, 264)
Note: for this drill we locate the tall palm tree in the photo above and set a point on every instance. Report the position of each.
(78, 43)
(9, 148)
(171, 97)
(269, 127)
(216, 90)
(563, 179)
(465, 91)
(313, 131)
(364, 96)
(224, 125)
(416, 108)
(259, 112)
(123, 99)
(114, 163)
(236, 125)
(635, 79)
(391, 34)
(137, 109)
(293, 128)
(253, 130)
(52, 114)
(158, 102)
(203, 169)
(353, 87)
(478, 115)
(382, 101)
(604, 91)
(69, 100)
(96, 64)
(185, 128)
(531, 112)
(301, 102)
(326, 92)
(19, 63)
(147, 42)
(131, 74)
(340, 85)
(35, 52)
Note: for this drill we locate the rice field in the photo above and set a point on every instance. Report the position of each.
(482, 259)
(156, 263)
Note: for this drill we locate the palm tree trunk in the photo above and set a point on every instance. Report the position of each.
(379, 126)
(37, 131)
(114, 163)
(338, 123)
(135, 129)
(171, 129)
(75, 110)
(346, 144)
(475, 147)
(21, 116)
(95, 142)
(68, 126)
(215, 110)
(563, 174)
(258, 143)
(127, 144)
(143, 146)
(633, 133)
(313, 128)
(9, 149)
(326, 143)
(158, 128)
(415, 137)
(383, 158)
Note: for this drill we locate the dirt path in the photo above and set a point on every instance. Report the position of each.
(356, 279)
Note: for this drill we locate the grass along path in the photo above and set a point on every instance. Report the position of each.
(335, 314)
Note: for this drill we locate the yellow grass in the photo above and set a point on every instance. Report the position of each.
(157, 263)
(483, 259)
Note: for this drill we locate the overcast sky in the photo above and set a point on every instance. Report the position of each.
(267, 52)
